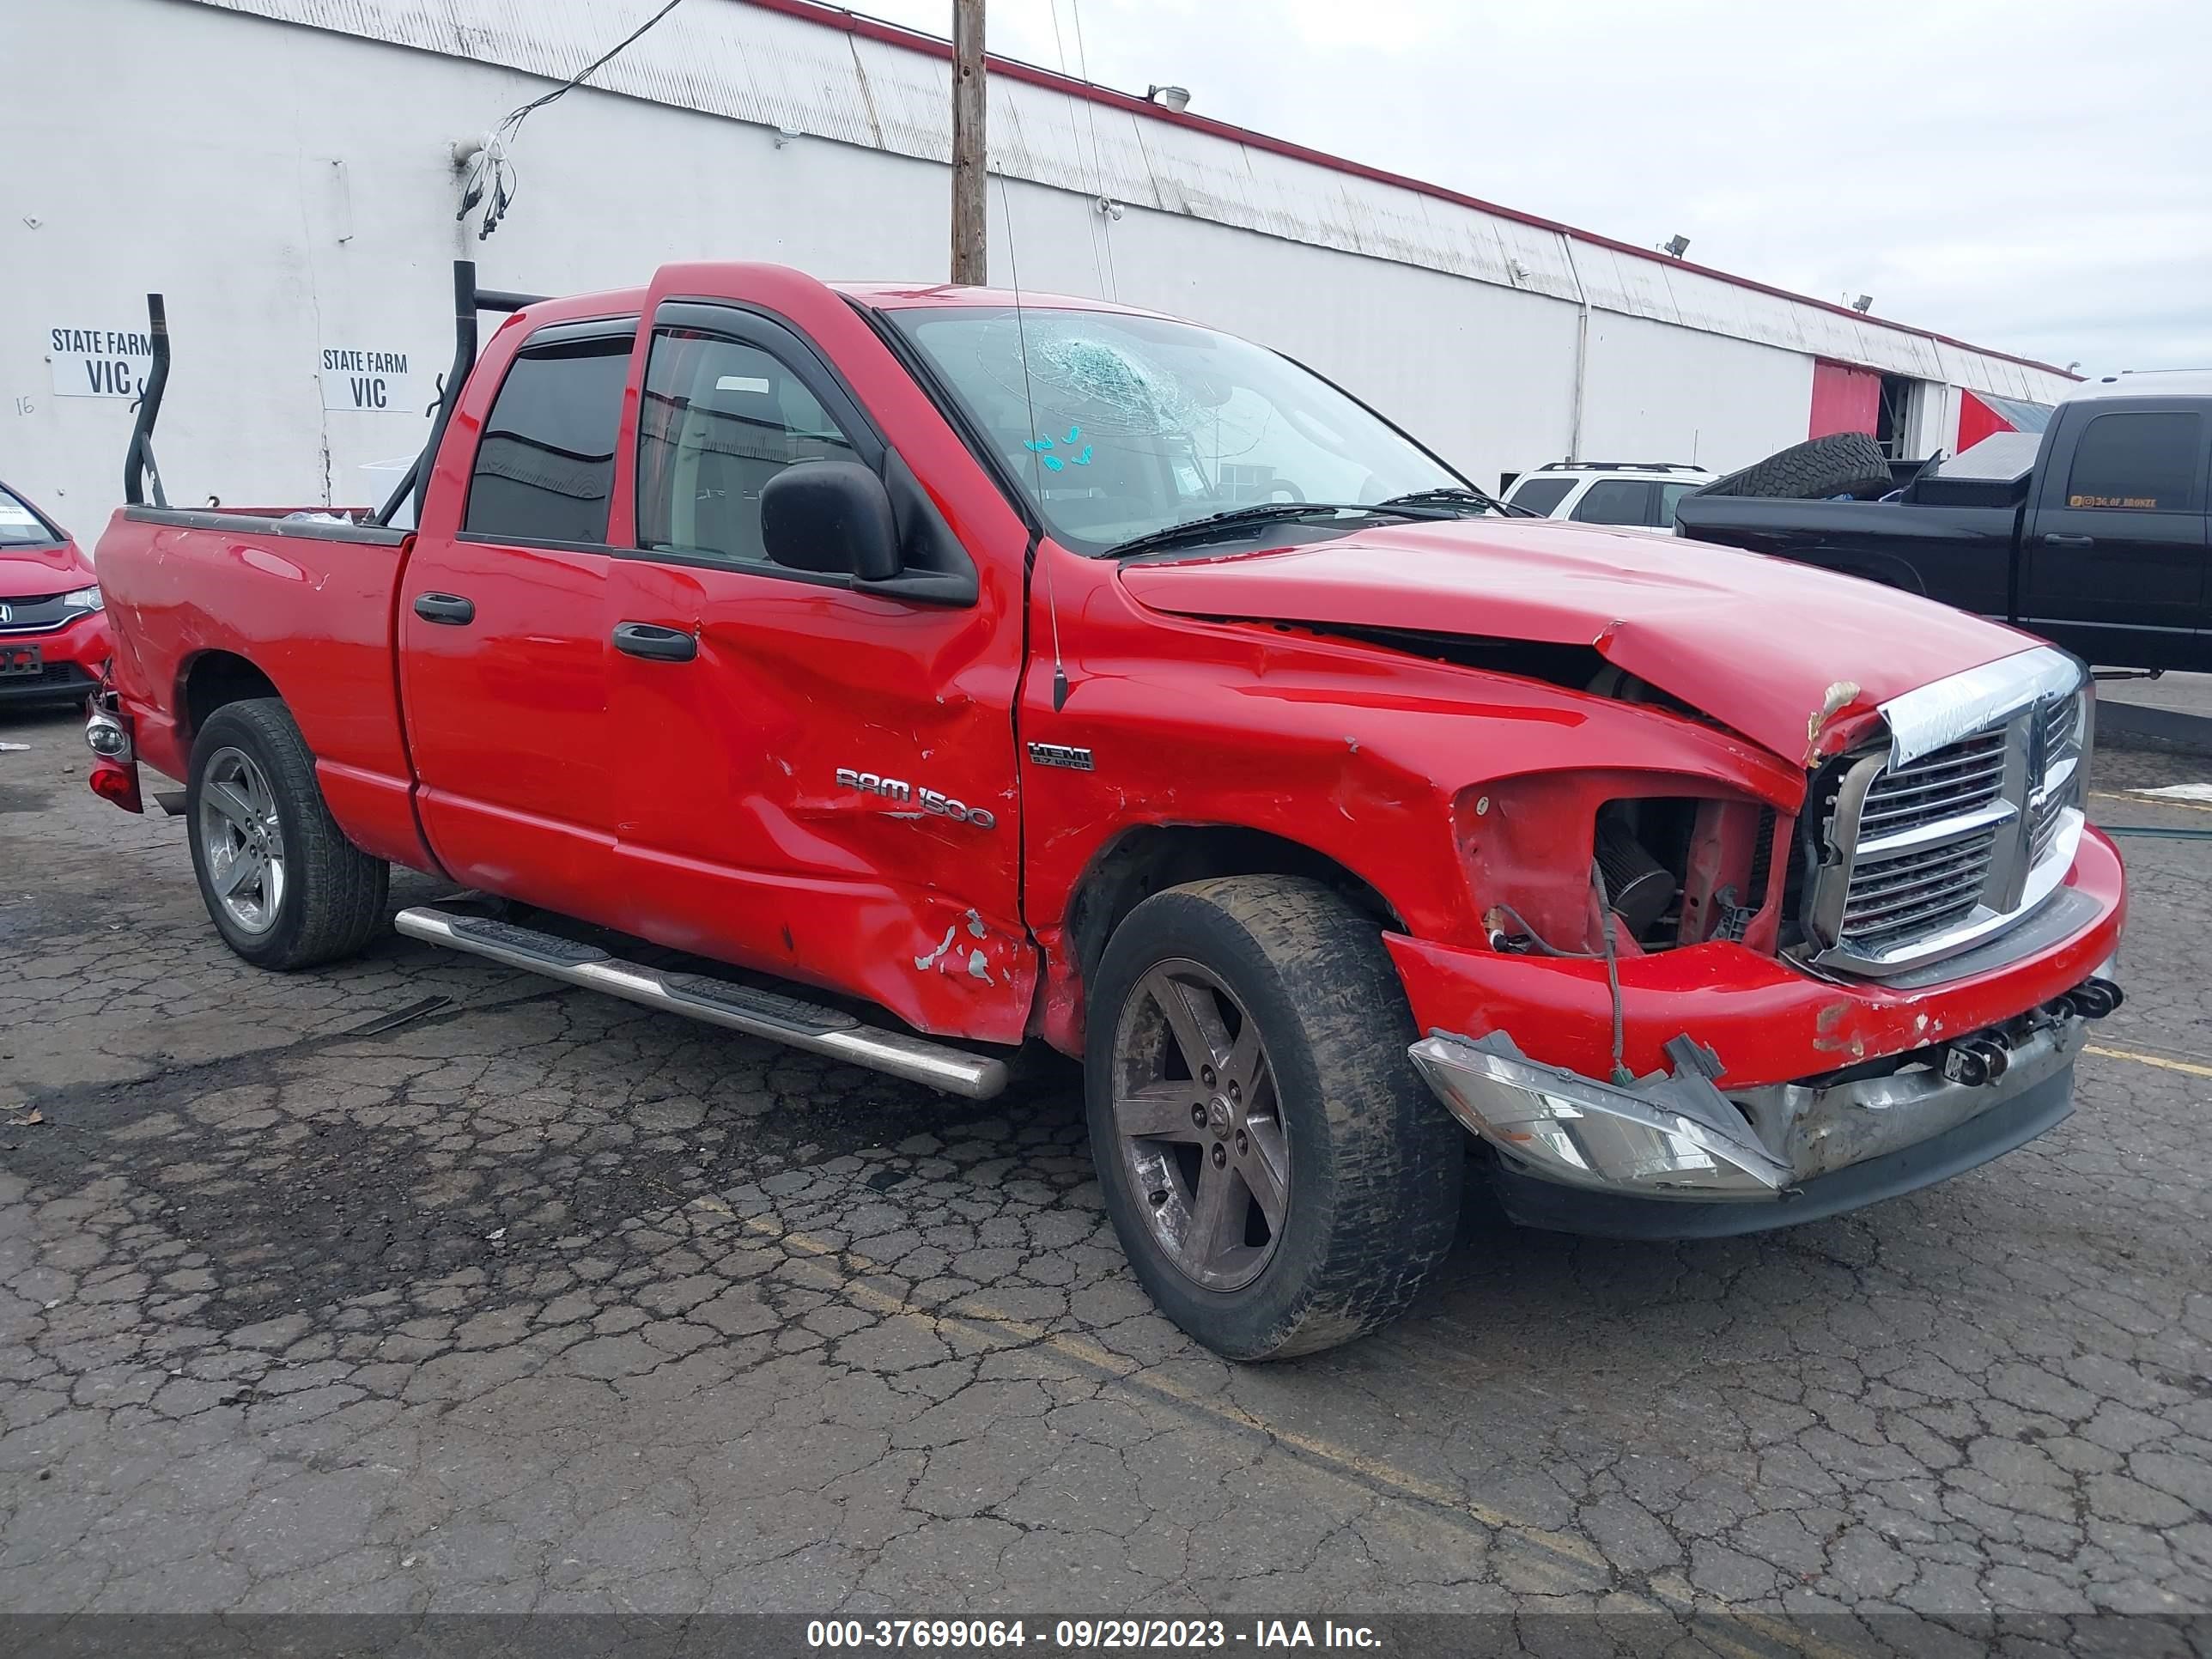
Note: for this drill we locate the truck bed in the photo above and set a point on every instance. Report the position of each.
(207, 595)
(1959, 556)
(2093, 535)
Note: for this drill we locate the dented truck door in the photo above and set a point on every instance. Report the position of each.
(811, 779)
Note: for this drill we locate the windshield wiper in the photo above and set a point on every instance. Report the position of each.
(1262, 513)
(1456, 496)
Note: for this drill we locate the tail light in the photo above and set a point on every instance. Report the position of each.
(117, 781)
(115, 766)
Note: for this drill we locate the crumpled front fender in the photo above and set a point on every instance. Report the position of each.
(1768, 1020)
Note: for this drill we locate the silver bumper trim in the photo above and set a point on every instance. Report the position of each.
(1671, 1134)
(1819, 1129)
(1675, 1135)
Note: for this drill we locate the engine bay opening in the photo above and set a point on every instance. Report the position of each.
(1625, 862)
(1681, 871)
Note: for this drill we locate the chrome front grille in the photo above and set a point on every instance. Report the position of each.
(2050, 819)
(1954, 780)
(2060, 718)
(2065, 773)
(1892, 899)
(1922, 855)
(37, 613)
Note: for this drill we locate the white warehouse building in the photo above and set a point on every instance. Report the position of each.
(285, 172)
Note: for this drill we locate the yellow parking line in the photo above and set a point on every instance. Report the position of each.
(2159, 1061)
(1089, 1354)
(2137, 798)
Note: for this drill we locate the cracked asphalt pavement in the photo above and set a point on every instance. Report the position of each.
(536, 1301)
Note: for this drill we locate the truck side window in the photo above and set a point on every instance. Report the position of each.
(2150, 462)
(720, 420)
(1614, 501)
(545, 465)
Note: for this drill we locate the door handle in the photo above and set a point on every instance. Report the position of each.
(2056, 540)
(450, 609)
(654, 643)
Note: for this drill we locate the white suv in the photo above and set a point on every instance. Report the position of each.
(1640, 493)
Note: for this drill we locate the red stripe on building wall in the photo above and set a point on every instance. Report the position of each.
(1845, 399)
(1976, 420)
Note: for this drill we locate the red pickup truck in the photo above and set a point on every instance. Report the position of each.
(957, 668)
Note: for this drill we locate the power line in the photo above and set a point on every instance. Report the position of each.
(1098, 167)
(1058, 46)
(1098, 230)
(514, 122)
(493, 173)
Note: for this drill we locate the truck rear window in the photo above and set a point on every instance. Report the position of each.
(2151, 462)
(545, 465)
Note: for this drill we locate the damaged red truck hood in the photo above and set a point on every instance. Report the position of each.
(1776, 650)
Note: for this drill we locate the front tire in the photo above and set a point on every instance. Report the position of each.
(1279, 1176)
(281, 883)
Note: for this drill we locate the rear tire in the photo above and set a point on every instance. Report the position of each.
(1840, 463)
(281, 883)
(1365, 1167)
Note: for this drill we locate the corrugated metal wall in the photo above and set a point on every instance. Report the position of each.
(782, 70)
(292, 188)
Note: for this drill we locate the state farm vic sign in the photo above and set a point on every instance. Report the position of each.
(94, 360)
(89, 360)
(369, 381)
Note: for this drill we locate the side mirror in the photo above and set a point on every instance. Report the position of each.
(830, 516)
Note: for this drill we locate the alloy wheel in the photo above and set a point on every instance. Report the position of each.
(1200, 1125)
(242, 840)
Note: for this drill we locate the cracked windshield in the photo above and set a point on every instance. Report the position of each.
(1125, 425)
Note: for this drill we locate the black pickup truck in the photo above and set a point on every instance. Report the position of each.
(2094, 536)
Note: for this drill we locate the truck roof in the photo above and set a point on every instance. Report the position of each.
(883, 295)
(1649, 469)
(2146, 383)
(899, 297)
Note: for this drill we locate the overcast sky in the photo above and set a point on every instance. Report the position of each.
(2034, 176)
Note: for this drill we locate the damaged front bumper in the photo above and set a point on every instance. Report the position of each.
(1670, 1156)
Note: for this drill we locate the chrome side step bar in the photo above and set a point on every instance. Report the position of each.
(759, 1013)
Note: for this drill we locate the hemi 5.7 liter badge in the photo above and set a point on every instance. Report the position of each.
(1059, 754)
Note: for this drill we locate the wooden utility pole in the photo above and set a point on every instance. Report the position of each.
(970, 264)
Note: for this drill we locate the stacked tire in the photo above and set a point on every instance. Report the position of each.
(1840, 463)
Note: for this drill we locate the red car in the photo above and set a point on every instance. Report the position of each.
(965, 667)
(53, 639)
